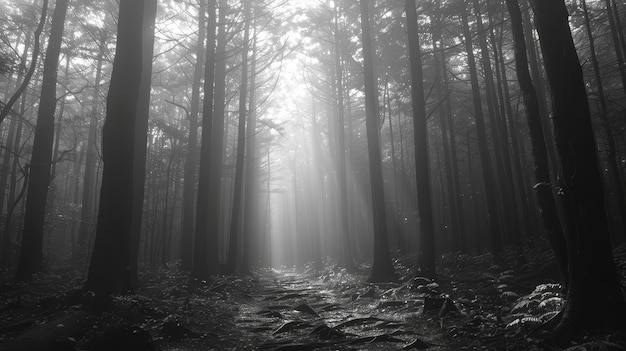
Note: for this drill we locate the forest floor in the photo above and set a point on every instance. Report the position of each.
(476, 305)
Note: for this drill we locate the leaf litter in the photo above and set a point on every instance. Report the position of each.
(474, 305)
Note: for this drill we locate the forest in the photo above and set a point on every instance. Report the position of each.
(312, 175)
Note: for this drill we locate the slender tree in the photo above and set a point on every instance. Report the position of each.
(205, 250)
(251, 166)
(218, 130)
(613, 156)
(235, 220)
(427, 254)
(485, 159)
(342, 176)
(86, 211)
(543, 186)
(189, 185)
(30, 260)
(382, 267)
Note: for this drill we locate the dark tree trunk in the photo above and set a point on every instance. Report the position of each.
(141, 134)
(382, 267)
(112, 268)
(32, 236)
(218, 131)
(543, 186)
(448, 124)
(591, 270)
(427, 254)
(485, 159)
(540, 87)
(205, 250)
(233, 244)
(191, 159)
(503, 175)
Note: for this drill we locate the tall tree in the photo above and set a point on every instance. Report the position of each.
(613, 156)
(591, 270)
(427, 255)
(86, 211)
(342, 176)
(235, 220)
(382, 267)
(447, 125)
(485, 159)
(205, 251)
(543, 186)
(218, 131)
(189, 185)
(112, 268)
(251, 166)
(32, 235)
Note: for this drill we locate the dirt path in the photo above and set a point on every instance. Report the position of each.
(287, 310)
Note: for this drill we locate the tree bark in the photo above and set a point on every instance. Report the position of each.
(543, 185)
(342, 180)
(32, 237)
(112, 270)
(86, 211)
(495, 234)
(233, 244)
(382, 267)
(591, 270)
(205, 250)
(427, 253)
(191, 159)
(251, 189)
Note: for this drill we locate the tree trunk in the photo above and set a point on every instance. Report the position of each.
(543, 186)
(539, 82)
(233, 244)
(32, 236)
(86, 211)
(189, 185)
(485, 159)
(503, 176)
(591, 270)
(612, 156)
(342, 180)
(205, 250)
(382, 268)
(112, 268)
(427, 254)
(251, 190)
(218, 131)
(446, 135)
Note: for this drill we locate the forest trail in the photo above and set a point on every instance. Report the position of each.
(288, 310)
(474, 306)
